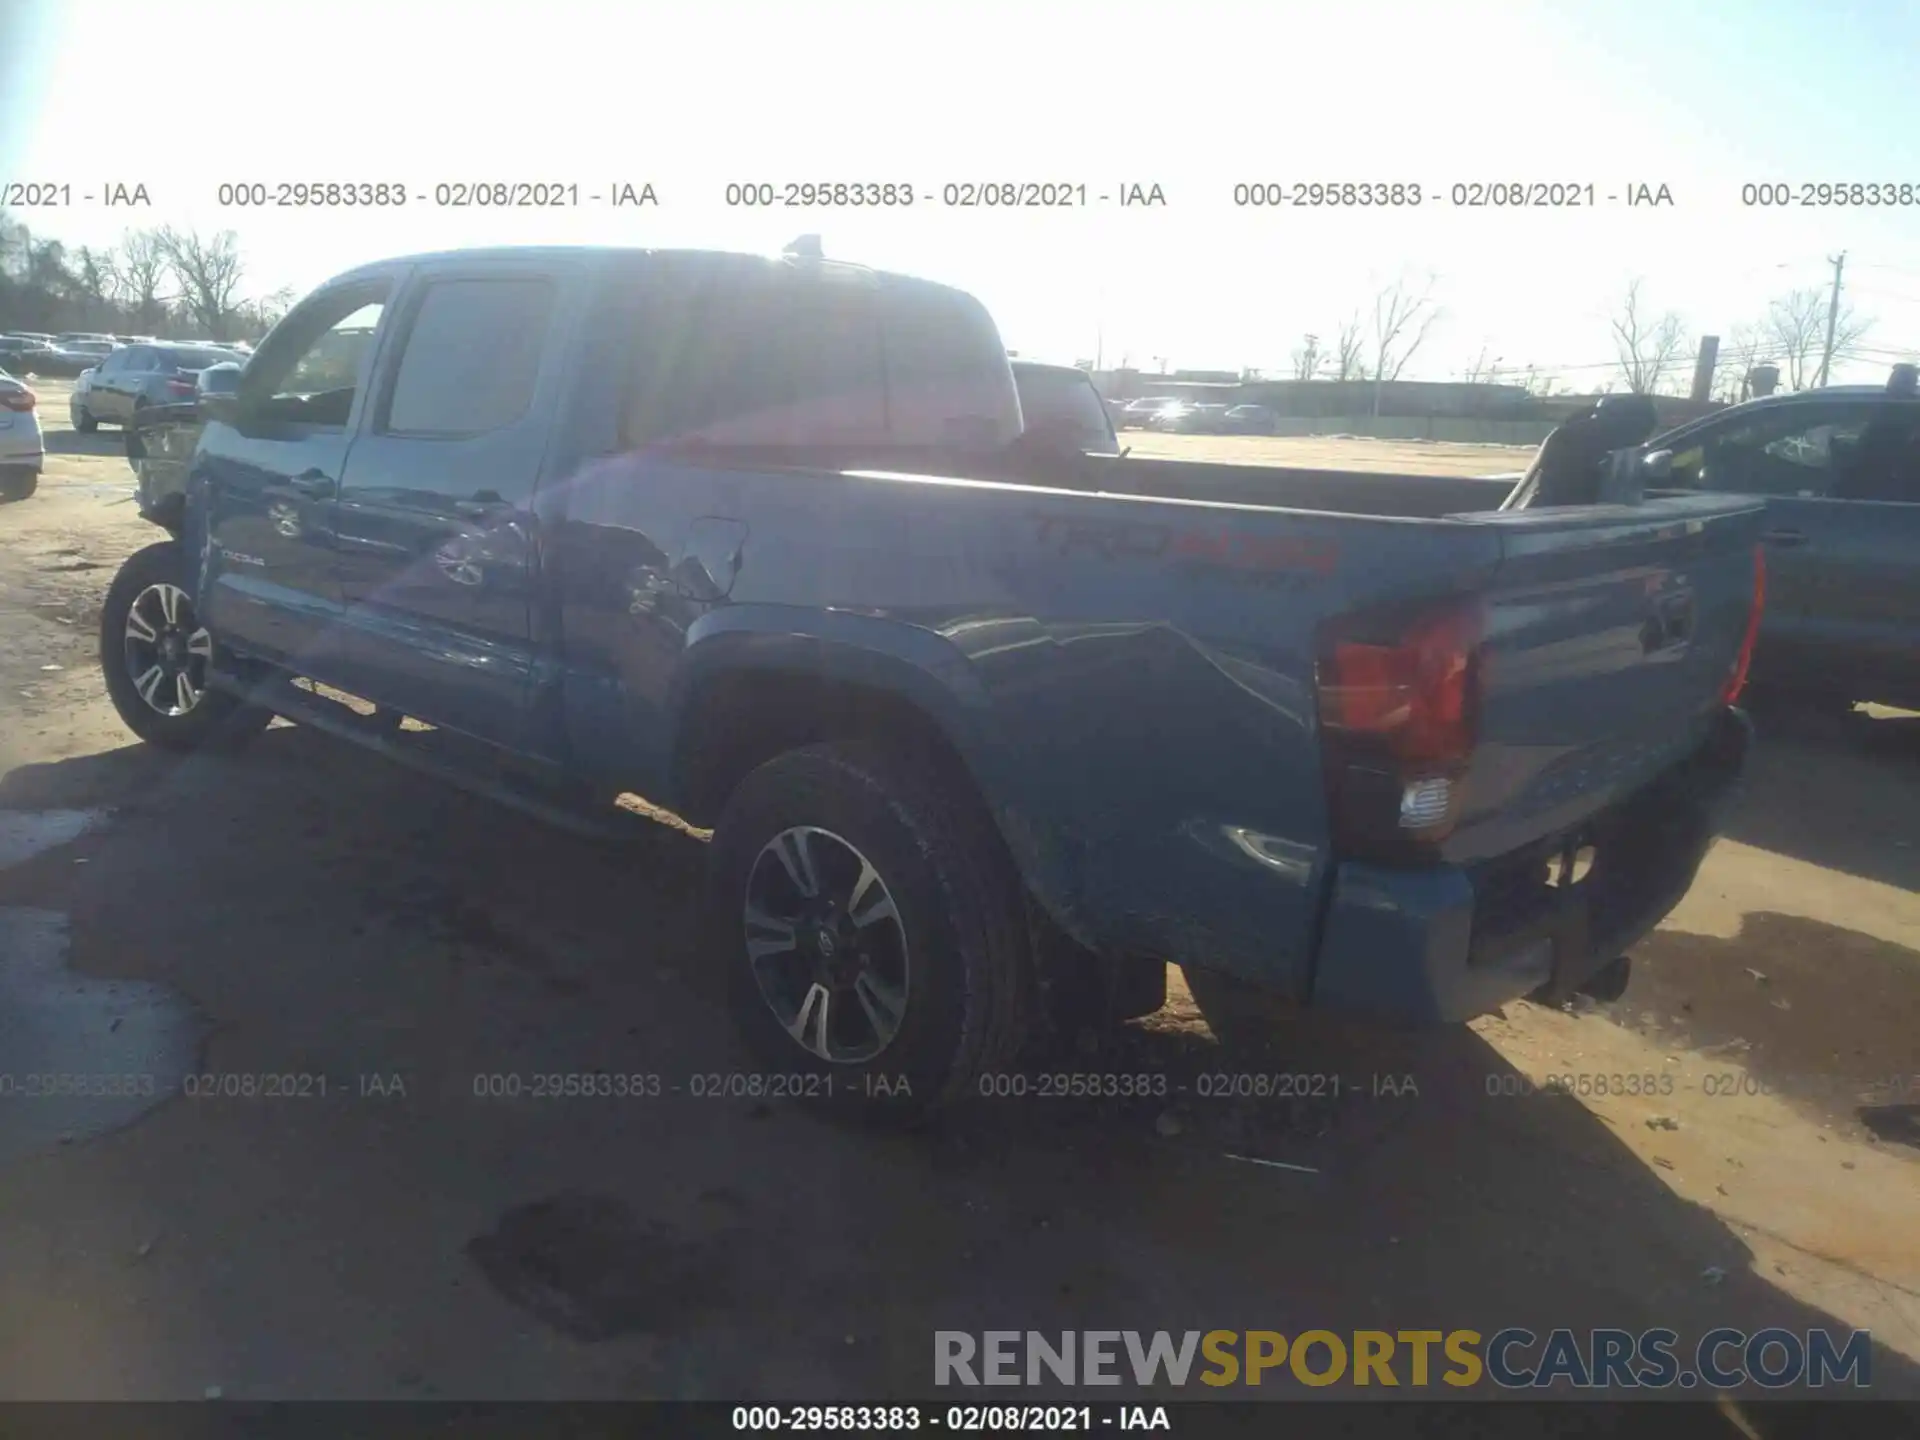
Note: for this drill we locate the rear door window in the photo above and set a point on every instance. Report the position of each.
(470, 357)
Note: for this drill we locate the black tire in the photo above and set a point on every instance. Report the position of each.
(961, 929)
(83, 420)
(213, 719)
(18, 484)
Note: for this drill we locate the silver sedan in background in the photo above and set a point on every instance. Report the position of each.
(137, 376)
(22, 448)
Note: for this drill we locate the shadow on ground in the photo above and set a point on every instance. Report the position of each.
(1840, 790)
(1821, 1015)
(104, 441)
(337, 917)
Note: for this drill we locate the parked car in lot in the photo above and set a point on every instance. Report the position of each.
(71, 360)
(20, 354)
(136, 376)
(22, 448)
(1188, 418)
(1249, 420)
(1139, 412)
(1061, 401)
(662, 522)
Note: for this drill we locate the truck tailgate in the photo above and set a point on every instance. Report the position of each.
(1611, 632)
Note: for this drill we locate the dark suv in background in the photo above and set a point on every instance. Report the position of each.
(1840, 470)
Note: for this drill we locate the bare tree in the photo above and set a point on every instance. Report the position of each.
(1483, 371)
(208, 273)
(1402, 317)
(260, 315)
(1349, 351)
(139, 269)
(1796, 326)
(1744, 347)
(1308, 358)
(1649, 347)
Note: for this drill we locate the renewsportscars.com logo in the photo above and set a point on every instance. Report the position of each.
(1513, 1359)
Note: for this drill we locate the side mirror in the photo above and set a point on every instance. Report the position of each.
(221, 379)
(1658, 465)
(216, 390)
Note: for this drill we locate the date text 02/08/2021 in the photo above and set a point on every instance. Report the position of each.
(959, 1419)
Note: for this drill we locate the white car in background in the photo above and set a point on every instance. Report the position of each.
(22, 448)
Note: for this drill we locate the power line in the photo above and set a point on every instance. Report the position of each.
(1884, 294)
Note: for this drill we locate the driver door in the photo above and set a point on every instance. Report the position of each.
(269, 582)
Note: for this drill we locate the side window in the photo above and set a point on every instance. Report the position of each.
(317, 359)
(1800, 451)
(1884, 464)
(470, 358)
(114, 363)
(769, 359)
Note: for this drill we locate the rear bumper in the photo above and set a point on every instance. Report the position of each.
(1446, 944)
(22, 446)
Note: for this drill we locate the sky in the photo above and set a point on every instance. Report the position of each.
(1194, 98)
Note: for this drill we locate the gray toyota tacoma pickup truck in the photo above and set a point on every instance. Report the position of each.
(760, 540)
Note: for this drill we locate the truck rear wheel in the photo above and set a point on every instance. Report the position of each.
(154, 654)
(873, 931)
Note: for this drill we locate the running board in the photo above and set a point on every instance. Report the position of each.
(616, 825)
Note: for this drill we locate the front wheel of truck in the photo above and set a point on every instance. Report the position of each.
(873, 930)
(154, 654)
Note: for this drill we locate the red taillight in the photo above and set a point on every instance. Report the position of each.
(1411, 691)
(22, 400)
(1398, 707)
(1743, 662)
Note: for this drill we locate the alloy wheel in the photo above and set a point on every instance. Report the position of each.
(167, 650)
(826, 945)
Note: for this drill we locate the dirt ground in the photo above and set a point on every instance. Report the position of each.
(308, 910)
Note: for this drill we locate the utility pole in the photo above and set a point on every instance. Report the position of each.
(1703, 369)
(1839, 263)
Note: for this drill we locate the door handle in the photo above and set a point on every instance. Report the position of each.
(316, 484)
(1785, 537)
